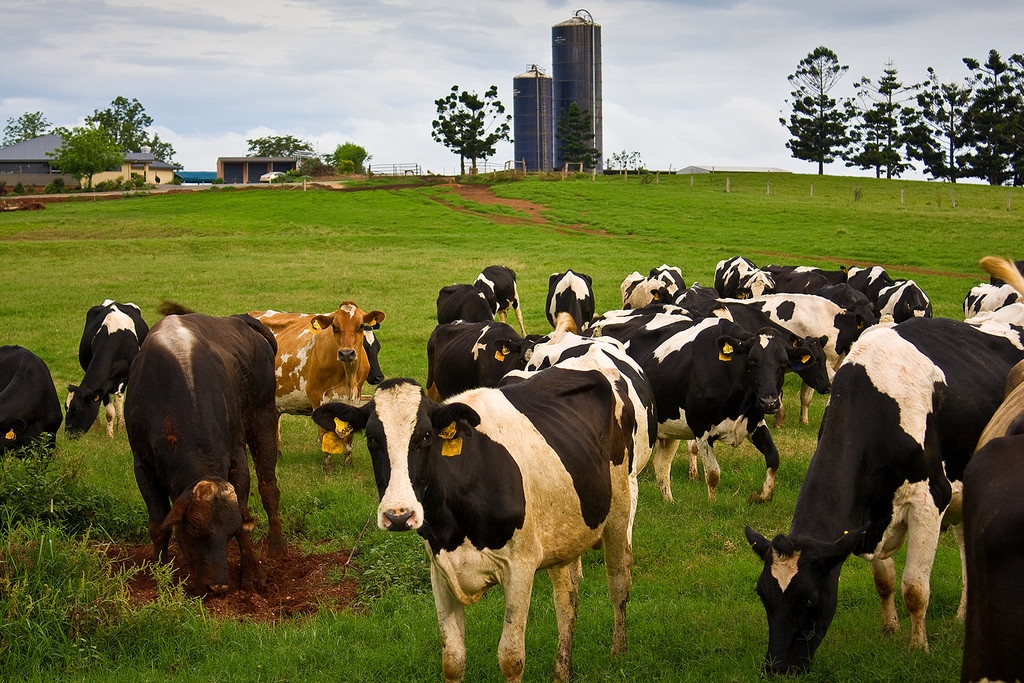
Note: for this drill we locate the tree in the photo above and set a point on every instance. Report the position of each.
(818, 124)
(995, 119)
(86, 151)
(126, 121)
(25, 127)
(349, 151)
(938, 137)
(470, 125)
(576, 136)
(883, 124)
(278, 146)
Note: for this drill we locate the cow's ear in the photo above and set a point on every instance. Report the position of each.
(504, 347)
(373, 319)
(341, 417)
(458, 414)
(799, 357)
(831, 554)
(178, 510)
(759, 543)
(729, 345)
(321, 322)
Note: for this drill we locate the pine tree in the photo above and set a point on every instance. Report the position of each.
(883, 124)
(818, 124)
(576, 137)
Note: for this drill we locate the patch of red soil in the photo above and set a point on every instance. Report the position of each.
(298, 584)
(484, 194)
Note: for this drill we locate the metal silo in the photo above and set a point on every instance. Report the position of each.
(576, 72)
(533, 120)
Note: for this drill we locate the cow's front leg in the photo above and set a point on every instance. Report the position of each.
(451, 618)
(517, 586)
(712, 472)
(762, 440)
(565, 584)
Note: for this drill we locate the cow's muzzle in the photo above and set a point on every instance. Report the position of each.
(398, 520)
(346, 355)
(770, 404)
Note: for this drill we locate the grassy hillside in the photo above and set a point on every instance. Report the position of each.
(693, 611)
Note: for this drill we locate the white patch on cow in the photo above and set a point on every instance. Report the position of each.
(348, 309)
(477, 346)
(178, 340)
(896, 368)
(294, 401)
(784, 568)
(116, 321)
(913, 508)
(397, 409)
(1012, 314)
(675, 428)
(682, 338)
(764, 340)
(732, 431)
(68, 400)
(1000, 329)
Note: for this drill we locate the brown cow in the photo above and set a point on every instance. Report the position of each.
(321, 358)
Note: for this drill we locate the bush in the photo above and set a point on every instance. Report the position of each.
(19, 189)
(55, 186)
(109, 185)
(43, 485)
(316, 168)
(346, 167)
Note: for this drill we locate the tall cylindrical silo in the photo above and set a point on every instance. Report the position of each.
(533, 121)
(576, 73)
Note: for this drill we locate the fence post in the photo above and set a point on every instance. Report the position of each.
(812, 190)
(727, 190)
(768, 188)
(901, 196)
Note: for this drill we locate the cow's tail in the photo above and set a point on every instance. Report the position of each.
(564, 324)
(1005, 270)
(172, 308)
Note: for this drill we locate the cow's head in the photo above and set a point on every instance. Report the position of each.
(13, 434)
(348, 325)
(204, 519)
(405, 433)
(760, 360)
(799, 586)
(807, 359)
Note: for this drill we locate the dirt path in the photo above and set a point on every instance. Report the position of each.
(483, 194)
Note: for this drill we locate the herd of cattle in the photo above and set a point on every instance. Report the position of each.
(523, 451)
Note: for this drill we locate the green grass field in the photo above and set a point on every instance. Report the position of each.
(693, 613)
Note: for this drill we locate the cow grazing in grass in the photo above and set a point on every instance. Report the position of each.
(660, 286)
(870, 280)
(902, 301)
(203, 392)
(29, 407)
(462, 302)
(323, 357)
(503, 482)
(571, 293)
(985, 297)
(498, 285)
(463, 356)
(906, 410)
(739, 278)
(111, 339)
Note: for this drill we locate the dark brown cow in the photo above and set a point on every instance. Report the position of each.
(203, 391)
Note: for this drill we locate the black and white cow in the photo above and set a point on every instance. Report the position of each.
(110, 341)
(462, 302)
(739, 278)
(906, 410)
(869, 280)
(498, 284)
(851, 299)
(902, 301)
(463, 356)
(985, 297)
(801, 279)
(571, 293)
(29, 407)
(202, 392)
(661, 286)
(809, 315)
(503, 482)
(713, 381)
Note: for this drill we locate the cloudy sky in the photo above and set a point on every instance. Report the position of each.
(685, 81)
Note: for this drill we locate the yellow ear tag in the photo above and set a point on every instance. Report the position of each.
(451, 445)
(315, 325)
(806, 358)
(726, 353)
(500, 354)
(332, 444)
(342, 428)
(10, 436)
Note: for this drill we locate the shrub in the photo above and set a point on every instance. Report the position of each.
(44, 485)
(55, 186)
(19, 189)
(346, 167)
(316, 168)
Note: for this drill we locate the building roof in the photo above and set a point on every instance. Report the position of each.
(32, 150)
(731, 169)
